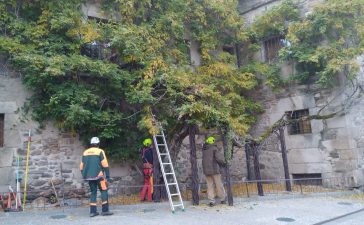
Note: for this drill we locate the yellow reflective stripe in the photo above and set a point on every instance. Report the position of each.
(104, 162)
(92, 151)
(103, 185)
(93, 203)
(104, 203)
(151, 184)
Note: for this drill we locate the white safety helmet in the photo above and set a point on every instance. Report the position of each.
(95, 140)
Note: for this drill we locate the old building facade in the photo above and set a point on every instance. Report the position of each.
(317, 148)
(330, 148)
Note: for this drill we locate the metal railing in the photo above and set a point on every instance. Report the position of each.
(127, 195)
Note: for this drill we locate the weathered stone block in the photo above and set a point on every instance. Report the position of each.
(343, 165)
(307, 155)
(334, 154)
(336, 144)
(8, 107)
(302, 141)
(296, 102)
(66, 171)
(42, 163)
(36, 152)
(329, 134)
(308, 168)
(37, 183)
(55, 181)
(316, 126)
(70, 163)
(6, 157)
(6, 174)
(337, 122)
(11, 138)
(46, 175)
(347, 155)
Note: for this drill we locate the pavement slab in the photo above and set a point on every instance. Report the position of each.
(261, 211)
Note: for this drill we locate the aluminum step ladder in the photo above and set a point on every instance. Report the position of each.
(169, 176)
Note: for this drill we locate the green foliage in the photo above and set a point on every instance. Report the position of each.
(150, 69)
(271, 73)
(322, 44)
(275, 21)
(327, 42)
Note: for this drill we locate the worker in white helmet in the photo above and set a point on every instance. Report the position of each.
(95, 169)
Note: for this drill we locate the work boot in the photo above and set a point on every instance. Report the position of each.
(94, 214)
(211, 204)
(107, 213)
(93, 211)
(223, 201)
(105, 210)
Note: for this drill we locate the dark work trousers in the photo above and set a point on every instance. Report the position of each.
(101, 184)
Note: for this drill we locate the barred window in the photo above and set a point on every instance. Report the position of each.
(301, 126)
(272, 47)
(96, 50)
(307, 179)
(2, 130)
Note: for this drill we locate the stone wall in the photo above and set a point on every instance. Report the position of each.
(335, 146)
(49, 147)
(251, 9)
(52, 152)
(56, 155)
(238, 169)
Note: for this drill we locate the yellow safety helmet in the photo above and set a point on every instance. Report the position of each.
(210, 140)
(147, 142)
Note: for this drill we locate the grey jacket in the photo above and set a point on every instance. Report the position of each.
(211, 159)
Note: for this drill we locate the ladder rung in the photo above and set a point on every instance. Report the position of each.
(163, 154)
(168, 173)
(161, 144)
(175, 194)
(166, 163)
(159, 135)
(172, 183)
(178, 205)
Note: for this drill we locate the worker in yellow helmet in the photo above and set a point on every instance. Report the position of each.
(212, 159)
(147, 157)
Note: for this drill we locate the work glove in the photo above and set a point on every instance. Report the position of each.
(109, 180)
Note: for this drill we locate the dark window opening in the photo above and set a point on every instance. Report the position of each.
(229, 48)
(97, 50)
(272, 47)
(186, 48)
(98, 20)
(299, 125)
(2, 117)
(307, 179)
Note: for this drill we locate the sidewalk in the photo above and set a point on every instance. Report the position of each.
(262, 211)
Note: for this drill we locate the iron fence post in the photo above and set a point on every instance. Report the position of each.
(247, 190)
